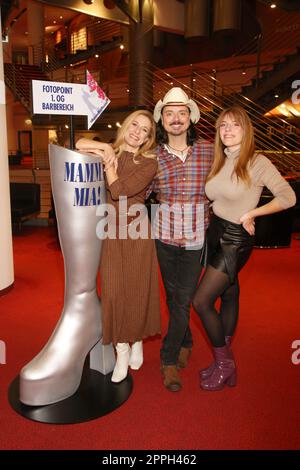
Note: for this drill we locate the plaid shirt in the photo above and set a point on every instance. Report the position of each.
(181, 186)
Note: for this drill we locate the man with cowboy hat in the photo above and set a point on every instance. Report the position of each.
(183, 165)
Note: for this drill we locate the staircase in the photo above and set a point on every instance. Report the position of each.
(84, 54)
(57, 62)
(96, 37)
(276, 81)
(272, 136)
(18, 79)
(276, 138)
(284, 43)
(276, 68)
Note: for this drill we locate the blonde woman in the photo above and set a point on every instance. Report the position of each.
(128, 268)
(234, 186)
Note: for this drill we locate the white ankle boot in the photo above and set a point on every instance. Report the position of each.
(121, 367)
(136, 356)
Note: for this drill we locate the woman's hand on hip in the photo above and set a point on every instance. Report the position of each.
(248, 223)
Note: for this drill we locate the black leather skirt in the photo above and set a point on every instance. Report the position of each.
(228, 246)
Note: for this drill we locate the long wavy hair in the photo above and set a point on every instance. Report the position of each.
(145, 150)
(162, 135)
(247, 151)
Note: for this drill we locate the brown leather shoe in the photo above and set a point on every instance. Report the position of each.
(171, 378)
(183, 357)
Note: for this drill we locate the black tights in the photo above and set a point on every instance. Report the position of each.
(216, 284)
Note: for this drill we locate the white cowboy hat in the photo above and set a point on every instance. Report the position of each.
(176, 96)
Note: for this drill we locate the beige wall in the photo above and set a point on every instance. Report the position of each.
(169, 15)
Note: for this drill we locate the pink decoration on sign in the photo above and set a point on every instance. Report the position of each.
(93, 86)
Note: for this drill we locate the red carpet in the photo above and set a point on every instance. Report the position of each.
(262, 412)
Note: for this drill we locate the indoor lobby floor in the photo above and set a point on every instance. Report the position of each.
(261, 412)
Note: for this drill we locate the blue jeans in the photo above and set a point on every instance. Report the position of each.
(180, 270)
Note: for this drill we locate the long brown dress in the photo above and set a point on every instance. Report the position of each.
(128, 267)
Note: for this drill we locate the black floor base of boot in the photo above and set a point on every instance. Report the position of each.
(96, 397)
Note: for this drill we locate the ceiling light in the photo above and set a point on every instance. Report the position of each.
(96, 55)
(118, 124)
(122, 47)
(109, 126)
(273, 5)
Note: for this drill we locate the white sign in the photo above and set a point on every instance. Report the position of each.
(69, 98)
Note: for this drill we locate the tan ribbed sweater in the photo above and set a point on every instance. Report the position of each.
(231, 198)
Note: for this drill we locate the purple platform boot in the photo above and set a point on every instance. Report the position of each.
(224, 372)
(205, 373)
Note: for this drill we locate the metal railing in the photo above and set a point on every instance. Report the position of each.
(272, 135)
(209, 93)
(276, 44)
(90, 39)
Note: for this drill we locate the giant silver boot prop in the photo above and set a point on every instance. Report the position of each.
(55, 373)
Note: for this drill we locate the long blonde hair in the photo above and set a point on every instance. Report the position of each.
(146, 150)
(247, 151)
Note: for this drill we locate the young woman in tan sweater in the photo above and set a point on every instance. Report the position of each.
(234, 187)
